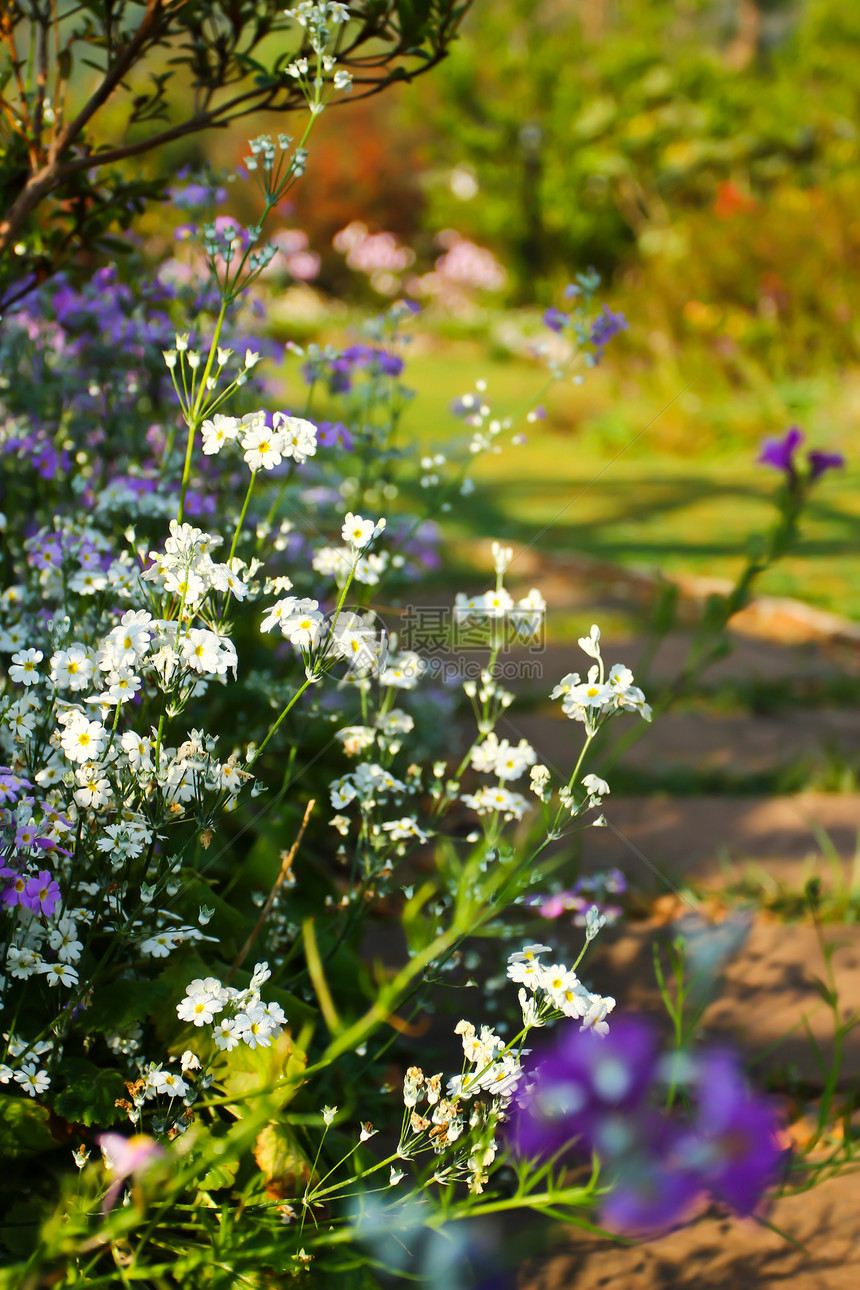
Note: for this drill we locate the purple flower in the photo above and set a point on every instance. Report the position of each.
(819, 462)
(331, 433)
(11, 784)
(555, 319)
(733, 1148)
(606, 326)
(15, 891)
(126, 1158)
(589, 1088)
(42, 893)
(781, 454)
(649, 1195)
(607, 1095)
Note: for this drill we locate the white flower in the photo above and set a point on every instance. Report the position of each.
(138, 749)
(404, 828)
(63, 940)
(160, 946)
(595, 1018)
(82, 739)
(590, 694)
(202, 1000)
(359, 533)
(226, 1034)
(496, 798)
(168, 1082)
(24, 666)
(88, 582)
(22, 963)
(189, 1061)
(94, 788)
(261, 974)
(328, 1114)
(539, 777)
(511, 762)
(278, 613)
(217, 431)
(530, 1009)
(262, 448)
(304, 628)
(595, 786)
(298, 437)
(556, 979)
(594, 920)
(32, 1080)
(71, 668)
(590, 644)
(565, 685)
(59, 974)
(255, 1027)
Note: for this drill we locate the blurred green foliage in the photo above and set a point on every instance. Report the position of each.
(593, 129)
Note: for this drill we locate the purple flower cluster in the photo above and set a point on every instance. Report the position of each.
(20, 843)
(605, 328)
(603, 1095)
(781, 454)
(589, 890)
(36, 449)
(338, 370)
(597, 333)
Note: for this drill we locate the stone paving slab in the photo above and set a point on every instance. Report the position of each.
(718, 1253)
(658, 838)
(765, 996)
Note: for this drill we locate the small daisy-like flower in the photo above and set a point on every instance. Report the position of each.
(170, 1083)
(32, 1080)
(24, 667)
(83, 740)
(225, 1035)
(59, 974)
(358, 532)
(262, 448)
(217, 431)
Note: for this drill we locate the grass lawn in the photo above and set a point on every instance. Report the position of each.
(637, 500)
(623, 469)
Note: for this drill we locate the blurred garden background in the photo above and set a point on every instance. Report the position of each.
(702, 157)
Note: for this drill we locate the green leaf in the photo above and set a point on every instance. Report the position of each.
(91, 1094)
(120, 1005)
(24, 1127)
(254, 1072)
(281, 1160)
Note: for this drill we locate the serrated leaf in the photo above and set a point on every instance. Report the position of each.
(91, 1094)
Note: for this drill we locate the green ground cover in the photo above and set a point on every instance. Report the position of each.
(657, 493)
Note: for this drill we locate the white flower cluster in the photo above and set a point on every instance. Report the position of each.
(460, 1128)
(553, 991)
(236, 1016)
(263, 446)
(185, 568)
(29, 1075)
(367, 785)
(507, 762)
(600, 695)
(353, 560)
